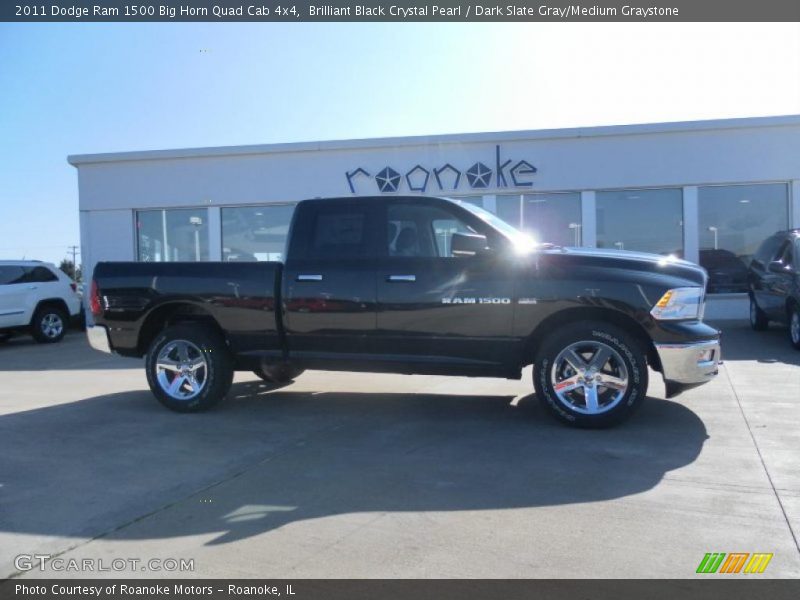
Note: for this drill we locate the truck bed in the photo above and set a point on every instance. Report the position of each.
(241, 298)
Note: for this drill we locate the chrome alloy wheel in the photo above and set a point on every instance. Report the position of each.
(794, 327)
(589, 377)
(181, 370)
(52, 325)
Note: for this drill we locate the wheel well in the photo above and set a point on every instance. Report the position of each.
(572, 315)
(170, 314)
(54, 303)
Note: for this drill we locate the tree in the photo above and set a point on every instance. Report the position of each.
(68, 267)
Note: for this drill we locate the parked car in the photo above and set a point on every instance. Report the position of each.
(414, 285)
(38, 298)
(726, 271)
(774, 279)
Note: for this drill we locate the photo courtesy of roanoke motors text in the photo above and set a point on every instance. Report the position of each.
(391, 300)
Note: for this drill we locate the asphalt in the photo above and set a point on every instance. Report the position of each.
(363, 475)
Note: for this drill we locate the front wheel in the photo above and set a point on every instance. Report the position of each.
(758, 318)
(794, 327)
(189, 368)
(590, 374)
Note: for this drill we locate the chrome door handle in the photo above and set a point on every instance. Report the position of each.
(309, 278)
(402, 277)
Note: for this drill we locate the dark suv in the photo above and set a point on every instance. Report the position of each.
(774, 280)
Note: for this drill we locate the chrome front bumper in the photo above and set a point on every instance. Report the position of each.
(98, 338)
(689, 364)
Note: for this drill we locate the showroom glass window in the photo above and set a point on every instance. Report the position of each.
(733, 221)
(509, 208)
(553, 218)
(643, 220)
(255, 233)
(172, 235)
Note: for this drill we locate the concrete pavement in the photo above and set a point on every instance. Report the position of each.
(363, 475)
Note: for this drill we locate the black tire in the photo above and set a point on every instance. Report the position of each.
(203, 345)
(794, 327)
(608, 405)
(758, 318)
(49, 324)
(281, 373)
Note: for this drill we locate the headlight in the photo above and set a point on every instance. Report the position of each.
(680, 303)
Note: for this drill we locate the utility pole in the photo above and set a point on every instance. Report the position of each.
(74, 251)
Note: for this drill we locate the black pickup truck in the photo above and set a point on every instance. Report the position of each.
(414, 285)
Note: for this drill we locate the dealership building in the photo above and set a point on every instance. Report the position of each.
(709, 191)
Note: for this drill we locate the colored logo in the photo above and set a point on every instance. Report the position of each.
(735, 562)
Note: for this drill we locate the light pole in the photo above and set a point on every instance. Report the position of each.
(197, 222)
(576, 229)
(715, 231)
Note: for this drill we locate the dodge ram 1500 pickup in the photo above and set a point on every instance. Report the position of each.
(414, 285)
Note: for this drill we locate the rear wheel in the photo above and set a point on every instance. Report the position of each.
(794, 326)
(591, 374)
(281, 373)
(49, 324)
(189, 368)
(758, 319)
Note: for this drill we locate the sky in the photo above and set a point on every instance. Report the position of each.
(87, 88)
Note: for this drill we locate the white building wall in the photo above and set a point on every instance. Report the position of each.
(685, 155)
(106, 235)
(294, 172)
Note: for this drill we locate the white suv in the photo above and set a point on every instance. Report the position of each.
(36, 297)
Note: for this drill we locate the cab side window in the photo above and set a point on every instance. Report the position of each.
(339, 233)
(421, 231)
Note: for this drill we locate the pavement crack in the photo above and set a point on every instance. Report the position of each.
(761, 458)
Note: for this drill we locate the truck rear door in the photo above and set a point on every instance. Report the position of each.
(329, 290)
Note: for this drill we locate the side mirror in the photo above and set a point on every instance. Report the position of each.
(468, 244)
(777, 266)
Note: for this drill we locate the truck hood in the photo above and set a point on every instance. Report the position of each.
(628, 260)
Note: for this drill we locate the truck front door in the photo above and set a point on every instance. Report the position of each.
(436, 308)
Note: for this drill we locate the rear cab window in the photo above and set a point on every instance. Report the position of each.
(333, 230)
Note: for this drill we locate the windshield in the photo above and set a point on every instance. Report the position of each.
(517, 237)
